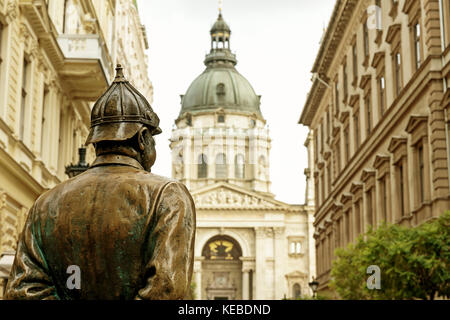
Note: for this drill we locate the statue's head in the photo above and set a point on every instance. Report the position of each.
(123, 122)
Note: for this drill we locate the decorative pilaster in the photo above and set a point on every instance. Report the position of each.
(260, 263)
(279, 255)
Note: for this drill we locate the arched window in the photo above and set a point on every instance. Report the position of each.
(222, 248)
(296, 291)
(239, 167)
(202, 166)
(221, 166)
(220, 89)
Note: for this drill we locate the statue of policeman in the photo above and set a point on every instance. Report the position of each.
(124, 232)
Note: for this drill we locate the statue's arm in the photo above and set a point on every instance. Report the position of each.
(169, 270)
(29, 278)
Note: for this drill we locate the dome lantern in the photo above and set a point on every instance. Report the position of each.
(220, 53)
(220, 85)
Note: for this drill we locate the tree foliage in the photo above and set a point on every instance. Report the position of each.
(414, 262)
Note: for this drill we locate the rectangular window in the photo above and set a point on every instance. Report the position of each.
(347, 145)
(398, 73)
(338, 157)
(65, 13)
(329, 178)
(369, 207)
(355, 62)
(338, 232)
(322, 145)
(44, 123)
(336, 96)
(322, 181)
(383, 196)
(316, 145)
(347, 227)
(344, 70)
(357, 219)
(379, 15)
(366, 40)
(368, 115)
(421, 174)
(401, 188)
(417, 46)
(328, 124)
(357, 133)
(23, 102)
(382, 94)
(316, 194)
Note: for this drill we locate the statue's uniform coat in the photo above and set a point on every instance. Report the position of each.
(130, 232)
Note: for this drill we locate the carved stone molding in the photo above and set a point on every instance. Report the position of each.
(278, 231)
(225, 197)
(269, 232)
(12, 11)
(259, 232)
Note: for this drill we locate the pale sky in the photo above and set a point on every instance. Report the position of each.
(275, 41)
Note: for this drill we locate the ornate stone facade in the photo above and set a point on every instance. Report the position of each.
(56, 57)
(248, 245)
(378, 117)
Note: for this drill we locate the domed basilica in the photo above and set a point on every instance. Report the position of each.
(248, 244)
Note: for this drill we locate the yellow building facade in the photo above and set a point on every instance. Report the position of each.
(56, 58)
(378, 113)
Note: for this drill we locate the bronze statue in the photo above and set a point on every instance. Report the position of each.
(116, 231)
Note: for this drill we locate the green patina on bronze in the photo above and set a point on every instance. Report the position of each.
(130, 232)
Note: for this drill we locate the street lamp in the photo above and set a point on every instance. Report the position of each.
(73, 170)
(313, 285)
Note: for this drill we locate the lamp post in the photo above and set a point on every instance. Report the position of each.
(73, 170)
(313, 285)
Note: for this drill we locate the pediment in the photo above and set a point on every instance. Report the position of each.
(364, 81)
(393, 31)
(380, 159)
(355, 187)
(367, 174)
(296, 274)
(226, 196)
(396, 142)
(353, 100)
(377, 58)
(415, 121)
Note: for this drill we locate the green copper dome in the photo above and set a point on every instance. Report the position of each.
(220, 85)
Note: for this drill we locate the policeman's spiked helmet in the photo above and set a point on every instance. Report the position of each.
(121, 112)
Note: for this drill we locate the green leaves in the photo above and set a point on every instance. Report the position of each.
(414, 262)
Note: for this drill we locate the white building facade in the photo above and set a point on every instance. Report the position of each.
(248, 244)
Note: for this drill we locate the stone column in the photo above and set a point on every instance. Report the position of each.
(248, 264)
(279, 255)
(260, 263)
(245, 284)
(198, 276)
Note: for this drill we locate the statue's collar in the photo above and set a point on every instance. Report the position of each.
(117, 159)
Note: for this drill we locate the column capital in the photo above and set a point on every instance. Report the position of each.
(278, 231)
(248, 264)
(260, 232)
(198, 264)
